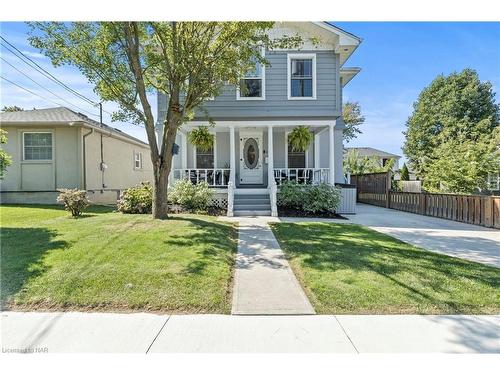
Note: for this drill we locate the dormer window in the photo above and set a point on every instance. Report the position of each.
(252, 86)
(301, 76)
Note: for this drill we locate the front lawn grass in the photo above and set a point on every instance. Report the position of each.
(110, 261)
(350, 269)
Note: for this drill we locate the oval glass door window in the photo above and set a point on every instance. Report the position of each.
(251, 153)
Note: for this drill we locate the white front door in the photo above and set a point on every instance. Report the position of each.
(251, 171)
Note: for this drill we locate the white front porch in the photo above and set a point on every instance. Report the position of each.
(256, 155)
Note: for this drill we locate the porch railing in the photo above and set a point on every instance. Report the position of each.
(215, 177)
(301, 175)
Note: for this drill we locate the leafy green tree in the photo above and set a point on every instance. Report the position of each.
(464, 165)
(353, 119)
(404, 173)
(452, 125)
(12, 108)
(187, 61)
(356, 164)
(5, 159)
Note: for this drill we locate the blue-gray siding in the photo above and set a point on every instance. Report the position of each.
(276, 103)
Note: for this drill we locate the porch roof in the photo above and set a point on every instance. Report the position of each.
(316, 125)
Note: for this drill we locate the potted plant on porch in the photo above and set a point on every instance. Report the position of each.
(300, 138)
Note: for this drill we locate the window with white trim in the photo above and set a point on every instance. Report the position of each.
(137, 160)
(205, 159)
(37, 146)
(252, 86)
(302, 76)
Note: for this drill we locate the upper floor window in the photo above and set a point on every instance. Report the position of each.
(302, 76)
(252, 86)
(37, 146)
(137, 160)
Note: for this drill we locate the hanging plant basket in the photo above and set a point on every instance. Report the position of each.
(201, 138)
(300, 138)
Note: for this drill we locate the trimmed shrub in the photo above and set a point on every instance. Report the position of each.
(74, 200)
(194, 197)
(291, 195)
(136, 200)
(321, 198)
(310, 198)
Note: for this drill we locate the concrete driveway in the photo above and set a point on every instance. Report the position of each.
(472, 242)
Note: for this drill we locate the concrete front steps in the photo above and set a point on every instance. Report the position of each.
(251, 202)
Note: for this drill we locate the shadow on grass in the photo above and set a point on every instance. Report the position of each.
(218, 243)
(427, 276)
(21, 257)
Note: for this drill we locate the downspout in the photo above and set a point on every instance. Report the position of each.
(85, 158)
(103, 166)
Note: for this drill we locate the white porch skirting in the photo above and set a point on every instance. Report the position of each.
(347, 201)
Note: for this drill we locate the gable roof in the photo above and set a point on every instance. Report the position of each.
(61, 116)
(369, 151)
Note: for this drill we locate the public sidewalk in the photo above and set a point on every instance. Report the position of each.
(149, 333)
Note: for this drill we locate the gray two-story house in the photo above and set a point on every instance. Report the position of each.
(251, 156)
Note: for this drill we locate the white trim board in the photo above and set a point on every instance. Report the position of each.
(260, 123)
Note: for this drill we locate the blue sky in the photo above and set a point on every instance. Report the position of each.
(397, 59)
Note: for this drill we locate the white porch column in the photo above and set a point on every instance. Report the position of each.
(270, 156)
(232, 156)
(184, 151)
(316, 150)
(331, 164)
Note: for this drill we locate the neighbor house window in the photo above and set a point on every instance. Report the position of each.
(137, 160)
(37, 146)
(252, 86)
(296, 159)
(302, 76)
(205, 159)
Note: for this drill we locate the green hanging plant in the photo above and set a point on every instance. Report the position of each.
(201, 138)
(300, 138)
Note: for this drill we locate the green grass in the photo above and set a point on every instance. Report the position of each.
(349, 269)
(110, 261)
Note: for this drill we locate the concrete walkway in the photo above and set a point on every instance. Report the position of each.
(142, 333)
(264, 284)
(466, 241)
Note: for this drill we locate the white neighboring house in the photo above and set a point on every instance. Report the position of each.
(251, 156)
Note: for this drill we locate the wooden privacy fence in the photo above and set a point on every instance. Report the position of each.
(472, 209)
(372, 188)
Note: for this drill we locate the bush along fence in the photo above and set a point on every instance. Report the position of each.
(375, 189)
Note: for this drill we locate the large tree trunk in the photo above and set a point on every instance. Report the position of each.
(160, 186)
(162, 170)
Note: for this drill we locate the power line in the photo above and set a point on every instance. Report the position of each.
(31, 92)
(46, 73)
(46, 89)
(34, 65)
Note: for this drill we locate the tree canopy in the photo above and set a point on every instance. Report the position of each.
(189, 62)
(404, 173)
(356, 164)
(353, 119)
(12, 108)
(452, 134)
